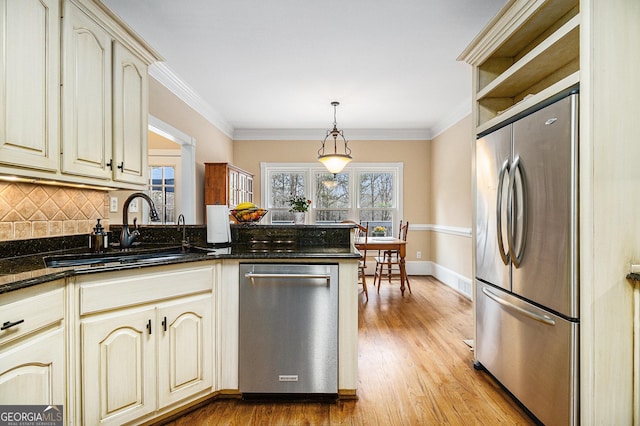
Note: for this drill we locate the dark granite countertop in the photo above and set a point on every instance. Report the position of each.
(23, 263)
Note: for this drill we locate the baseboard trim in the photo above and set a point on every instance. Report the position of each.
(456, 281)
(451, 278)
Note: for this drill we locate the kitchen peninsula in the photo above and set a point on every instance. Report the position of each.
(174, 317)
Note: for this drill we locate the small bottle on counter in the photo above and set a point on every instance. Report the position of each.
(98, 239)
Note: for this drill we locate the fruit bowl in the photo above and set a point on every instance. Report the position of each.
(253, 215)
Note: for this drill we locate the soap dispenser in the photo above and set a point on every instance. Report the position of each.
(98, 240)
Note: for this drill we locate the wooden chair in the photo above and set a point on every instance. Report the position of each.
(362, 233)
(388, 262)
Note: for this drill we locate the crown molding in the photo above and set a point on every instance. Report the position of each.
(460, 112)
(318, 134)
(165, 76)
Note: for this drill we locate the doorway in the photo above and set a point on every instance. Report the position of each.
(172, 148)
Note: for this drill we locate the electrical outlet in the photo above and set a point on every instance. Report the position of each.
(113, 204)
(419, 255)
(133, 206)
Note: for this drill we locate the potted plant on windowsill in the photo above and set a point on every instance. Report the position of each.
(299, 205)
(379, 231)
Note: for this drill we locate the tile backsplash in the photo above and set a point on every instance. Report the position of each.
(36, 211)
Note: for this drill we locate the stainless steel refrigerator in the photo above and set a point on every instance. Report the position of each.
(527, 279)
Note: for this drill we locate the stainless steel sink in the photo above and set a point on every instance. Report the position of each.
(120, 257)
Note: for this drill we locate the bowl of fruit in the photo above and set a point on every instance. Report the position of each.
(248, 213)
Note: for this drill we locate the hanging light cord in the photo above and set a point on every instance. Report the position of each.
(334, 133)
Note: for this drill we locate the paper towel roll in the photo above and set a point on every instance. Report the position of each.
(218, 229)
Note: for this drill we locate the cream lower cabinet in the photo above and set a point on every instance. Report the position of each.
(118, 367)
(185, 348)
(32, 346)
(146, 342)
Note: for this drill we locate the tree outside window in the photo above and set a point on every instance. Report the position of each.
(376, 199)
(332, 197)
(283, 186)
(162, 192)
(365, 192)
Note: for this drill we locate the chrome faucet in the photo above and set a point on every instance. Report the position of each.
(182, 227)
(127, 237)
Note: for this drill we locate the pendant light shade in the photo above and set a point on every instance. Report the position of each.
(334, 161)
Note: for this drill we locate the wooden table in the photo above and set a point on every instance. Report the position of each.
(387, 243)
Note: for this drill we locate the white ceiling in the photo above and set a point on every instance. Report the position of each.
(274, 66)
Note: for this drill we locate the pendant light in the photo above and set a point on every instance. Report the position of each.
(334, 162)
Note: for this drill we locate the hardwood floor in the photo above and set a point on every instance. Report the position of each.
(414, 369)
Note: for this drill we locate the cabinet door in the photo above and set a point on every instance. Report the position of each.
(86, 96)
(118, 366)
(234, 178)
(185, 349)
(249, 190)
(33, 372)
(216, 184)
(29, 83)
(130, 128)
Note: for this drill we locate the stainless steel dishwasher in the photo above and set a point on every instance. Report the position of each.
(288, 329)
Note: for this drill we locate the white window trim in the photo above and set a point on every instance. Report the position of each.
(310, 169)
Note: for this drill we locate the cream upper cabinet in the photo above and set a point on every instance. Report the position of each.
(29, 84)
(130, 130)
(32, 346)
(73, 94)
(86, 96)
(528, 52)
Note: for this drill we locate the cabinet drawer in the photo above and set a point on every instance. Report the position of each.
(31, 312)
(103, 292)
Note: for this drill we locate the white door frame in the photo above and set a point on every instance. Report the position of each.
(187, 185)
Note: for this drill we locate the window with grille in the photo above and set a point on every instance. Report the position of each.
(162, 190)
(363, 192)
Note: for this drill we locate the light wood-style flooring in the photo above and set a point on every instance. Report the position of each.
(414, 369)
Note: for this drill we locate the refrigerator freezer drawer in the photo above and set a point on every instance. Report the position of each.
(533, 353)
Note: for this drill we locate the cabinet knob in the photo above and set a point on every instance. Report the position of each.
(110, 164)
(9, 324)
(121, 166)
(149, 327)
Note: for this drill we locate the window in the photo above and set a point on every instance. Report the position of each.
(332, 197)
(376, 197)
(364, 192)
(162, 192)
(283, 185)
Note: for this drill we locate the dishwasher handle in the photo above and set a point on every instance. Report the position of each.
(253, 275)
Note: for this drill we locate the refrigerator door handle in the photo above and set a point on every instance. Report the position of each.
(534, 316)
(504, 254)
(516, 169)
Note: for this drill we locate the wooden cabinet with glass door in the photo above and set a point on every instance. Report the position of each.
(226, 184)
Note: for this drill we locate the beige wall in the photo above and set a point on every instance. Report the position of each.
(450, 204)
(211, 144)
(437, 181)
(414, 154)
